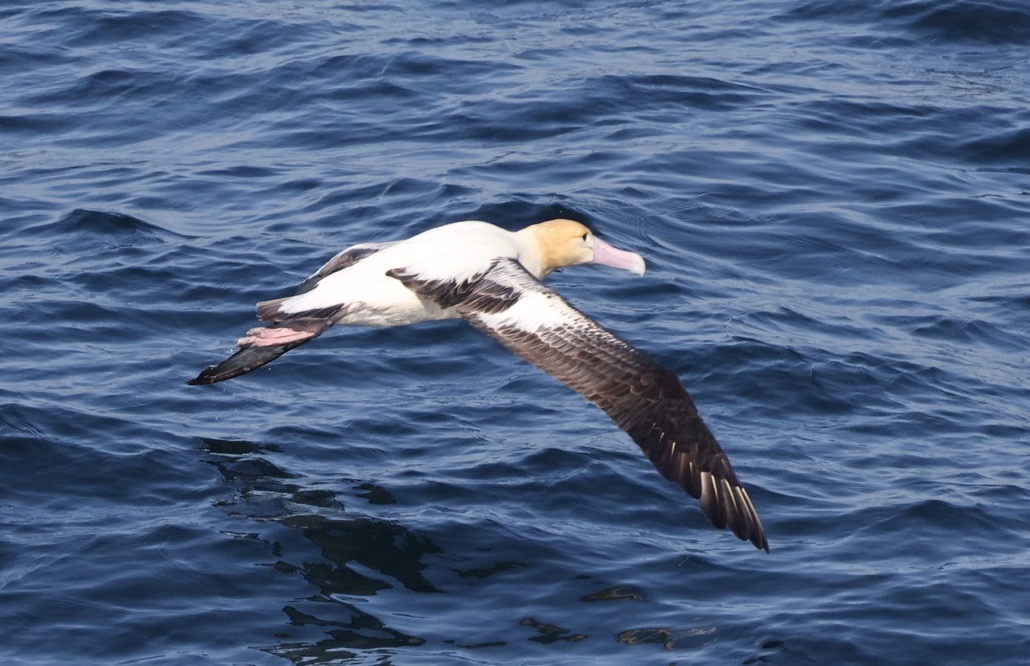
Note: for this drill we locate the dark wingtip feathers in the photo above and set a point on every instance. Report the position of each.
(258, 347)
(242, 362)
(728, 506)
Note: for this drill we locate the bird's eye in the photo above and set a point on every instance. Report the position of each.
(585, 235)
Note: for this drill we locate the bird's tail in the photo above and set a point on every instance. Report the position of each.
(263, 345)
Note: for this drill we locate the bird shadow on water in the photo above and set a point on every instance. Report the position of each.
(347, 557)
(357, 554)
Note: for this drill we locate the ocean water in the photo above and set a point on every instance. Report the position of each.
(834, 202)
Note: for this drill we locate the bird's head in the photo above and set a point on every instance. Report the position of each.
(559, 243)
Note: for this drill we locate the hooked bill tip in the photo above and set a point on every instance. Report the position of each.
(607, 255)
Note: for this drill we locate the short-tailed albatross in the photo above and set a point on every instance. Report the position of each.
(491, 278)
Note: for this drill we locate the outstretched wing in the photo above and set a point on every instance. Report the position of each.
(641, 396)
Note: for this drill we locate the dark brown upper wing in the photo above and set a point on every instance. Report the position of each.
(641, 396)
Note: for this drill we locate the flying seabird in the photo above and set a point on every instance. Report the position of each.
(491, 278)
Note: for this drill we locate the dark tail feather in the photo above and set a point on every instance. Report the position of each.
(258, 348)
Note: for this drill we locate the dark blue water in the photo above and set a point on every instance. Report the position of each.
(834, 201)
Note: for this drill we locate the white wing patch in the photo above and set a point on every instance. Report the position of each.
(533, 311)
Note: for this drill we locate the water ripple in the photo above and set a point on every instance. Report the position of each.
(831, 198)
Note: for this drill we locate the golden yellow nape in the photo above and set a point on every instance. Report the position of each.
(561, 243)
